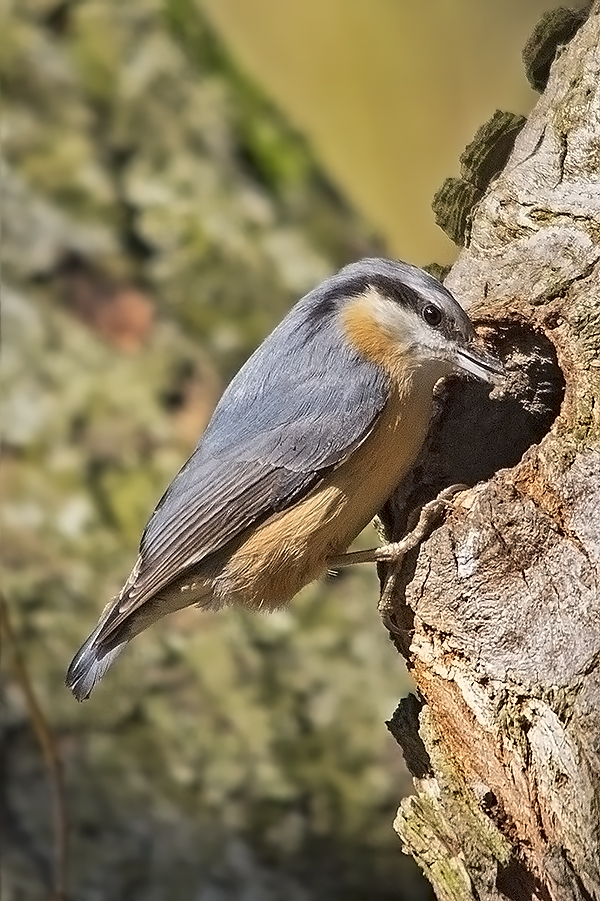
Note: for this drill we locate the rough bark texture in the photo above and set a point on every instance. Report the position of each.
(498, 614)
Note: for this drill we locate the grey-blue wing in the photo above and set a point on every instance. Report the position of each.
(297, 409)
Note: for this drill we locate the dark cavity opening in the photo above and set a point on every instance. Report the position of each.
(477, 429)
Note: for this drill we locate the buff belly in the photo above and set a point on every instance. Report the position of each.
(292, 548)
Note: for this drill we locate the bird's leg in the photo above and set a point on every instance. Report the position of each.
(395, 551)
(428, 517)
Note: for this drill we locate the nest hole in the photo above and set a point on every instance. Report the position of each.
(477, 431)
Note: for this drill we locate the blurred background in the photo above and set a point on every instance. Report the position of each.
(177, 173)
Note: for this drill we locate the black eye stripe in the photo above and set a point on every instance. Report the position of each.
(432, 315)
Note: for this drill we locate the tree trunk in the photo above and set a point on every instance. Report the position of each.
(498, 613)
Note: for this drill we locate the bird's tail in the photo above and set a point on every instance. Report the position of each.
(97, 653)
(117, 626)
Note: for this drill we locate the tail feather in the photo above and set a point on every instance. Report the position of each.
(89, 665)
(95, 655)
(114, 630)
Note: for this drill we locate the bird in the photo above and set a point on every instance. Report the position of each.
(306, 444)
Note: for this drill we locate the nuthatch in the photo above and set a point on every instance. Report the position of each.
(305, 446)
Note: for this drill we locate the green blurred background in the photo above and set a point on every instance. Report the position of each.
(176, 175)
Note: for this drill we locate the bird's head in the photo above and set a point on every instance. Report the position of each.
(404, 319)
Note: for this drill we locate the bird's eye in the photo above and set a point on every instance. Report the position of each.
(432, 315)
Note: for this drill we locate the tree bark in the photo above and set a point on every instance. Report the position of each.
(498, 613)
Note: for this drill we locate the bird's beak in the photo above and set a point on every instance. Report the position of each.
(480, 363)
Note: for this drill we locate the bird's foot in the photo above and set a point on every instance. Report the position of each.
(395, 552)
(428, 517)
